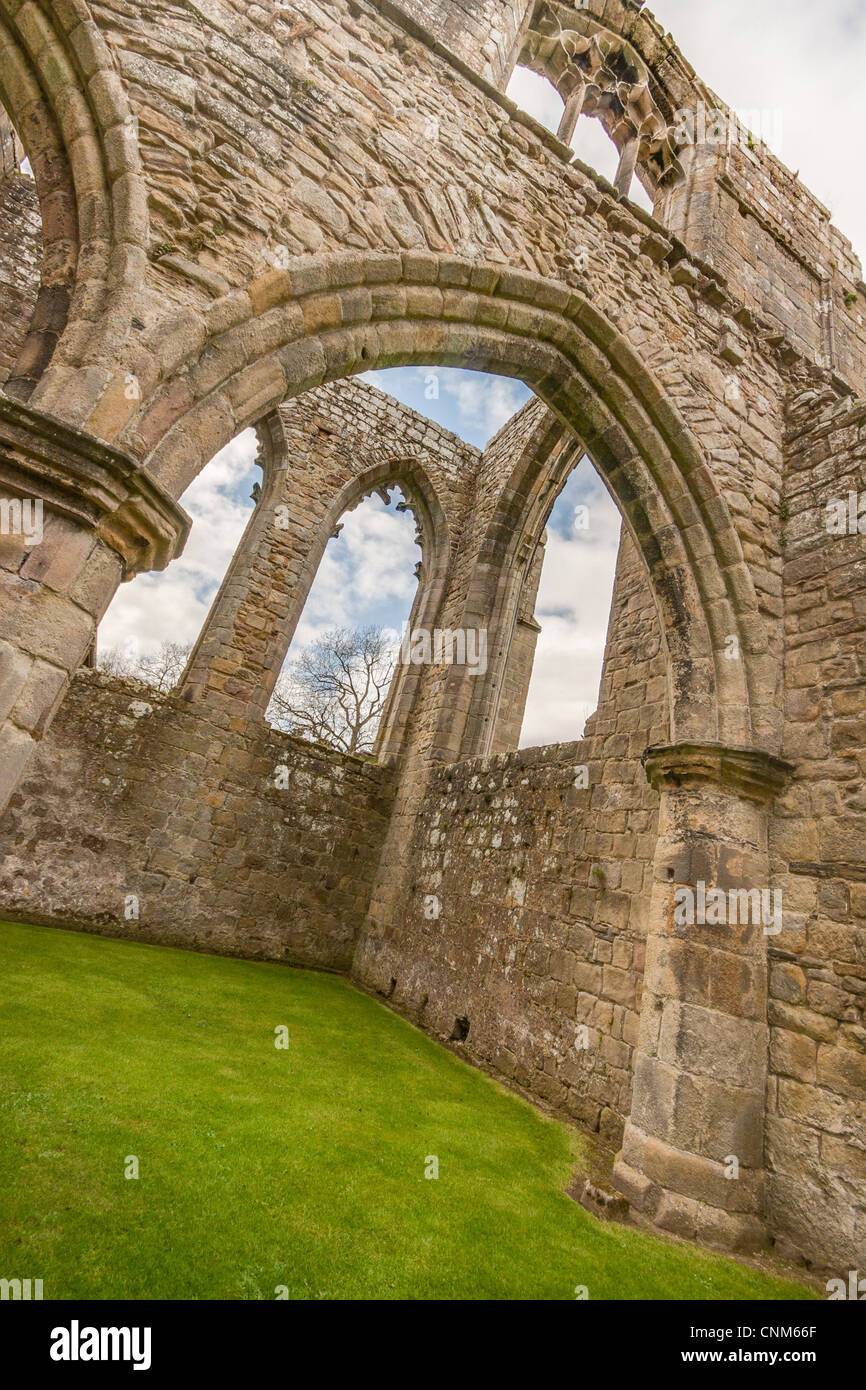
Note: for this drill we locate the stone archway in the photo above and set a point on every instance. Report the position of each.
(333, 316)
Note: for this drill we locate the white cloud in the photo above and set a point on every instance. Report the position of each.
(573, 609)
(484, 403)
(173, 605)
(367, 575)
(802, 58)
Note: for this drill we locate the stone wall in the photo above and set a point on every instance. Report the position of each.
(20, 262)
(743, 210)
(242, 204)
(526, 907)
(480, 32)
(133, 794)
(816, 1126)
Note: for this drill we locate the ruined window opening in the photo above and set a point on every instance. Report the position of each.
(583, 131)
(337, 675)
(150, 627)
(564, 687)
(563, 619)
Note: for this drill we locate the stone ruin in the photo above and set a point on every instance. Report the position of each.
(237, 207)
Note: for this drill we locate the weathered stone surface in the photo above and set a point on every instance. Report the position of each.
(252, 203)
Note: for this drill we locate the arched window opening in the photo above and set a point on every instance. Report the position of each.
(149, 629)
(564, 617)
(552, 633)
(582, 129)
(536, 95)
(335, 681)
(456, 500)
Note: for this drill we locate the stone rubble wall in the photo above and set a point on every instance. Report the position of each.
(254, 200)
(131, 793)
(480, 32)
(541, 890)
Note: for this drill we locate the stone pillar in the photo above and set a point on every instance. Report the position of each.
(571, 113)
(627, 166)
(700, 1067)
(237, 658)
(514, 685)
(76, 518)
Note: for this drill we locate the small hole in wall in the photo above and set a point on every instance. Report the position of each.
(391, 988)
(670, 874)
(460, 1031)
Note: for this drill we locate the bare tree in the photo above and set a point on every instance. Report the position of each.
(161, 670)
(334, 692)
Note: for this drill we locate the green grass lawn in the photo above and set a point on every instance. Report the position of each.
(261, 1167)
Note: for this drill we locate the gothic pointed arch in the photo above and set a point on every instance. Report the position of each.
(326, 322)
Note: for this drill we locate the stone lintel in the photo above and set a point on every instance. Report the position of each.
(91, 484)
(749, 772)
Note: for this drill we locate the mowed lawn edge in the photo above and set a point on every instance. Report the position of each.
(298, 1171)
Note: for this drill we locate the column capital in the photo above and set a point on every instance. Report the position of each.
(750, 772)
(91, 484)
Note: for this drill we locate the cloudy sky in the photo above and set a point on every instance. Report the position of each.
(804, 58)
(800, 62)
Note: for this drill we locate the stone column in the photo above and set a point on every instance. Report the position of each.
(514, 683)
(627, 166)
(76, 518)
(237, 658)
(571, 114)
(692, 1154)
